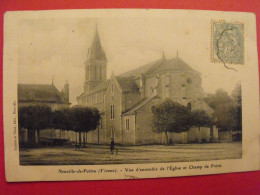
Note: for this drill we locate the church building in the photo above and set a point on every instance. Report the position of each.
(125, 101)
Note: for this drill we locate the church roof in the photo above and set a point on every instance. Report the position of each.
(39, 93)
(127, 84)
(99, 87)
(96, 51)
(141, 70)
(175, 64)
(139, 106)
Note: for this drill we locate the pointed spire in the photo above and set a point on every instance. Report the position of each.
(163, 56)
(96, 50)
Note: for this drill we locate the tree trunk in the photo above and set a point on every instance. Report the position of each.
(231, 136)
(211, 134)
(182, 137)
(84, 140)
(31, 136)
(80, 138)
(98, 135)
(60, 134)
(76, 140)
(38, 136)
(199, 136)
(166, 136)
(86, 137)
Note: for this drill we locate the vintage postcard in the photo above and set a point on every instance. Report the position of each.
(127, 94)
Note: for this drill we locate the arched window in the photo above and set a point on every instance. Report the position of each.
(112, 112)
(127, 124)
(112, 88)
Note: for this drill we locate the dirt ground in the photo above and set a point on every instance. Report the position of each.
(100, 154)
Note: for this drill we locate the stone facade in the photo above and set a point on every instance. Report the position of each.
(125, 100)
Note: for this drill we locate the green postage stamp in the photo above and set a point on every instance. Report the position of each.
(227, 42)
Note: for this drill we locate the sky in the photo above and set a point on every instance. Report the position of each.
(57, 47)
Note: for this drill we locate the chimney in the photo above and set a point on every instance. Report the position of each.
(66, 92)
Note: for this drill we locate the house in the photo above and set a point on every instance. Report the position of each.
(42, 94)
(125, 101)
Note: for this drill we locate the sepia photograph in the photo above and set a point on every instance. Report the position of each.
(130, 94)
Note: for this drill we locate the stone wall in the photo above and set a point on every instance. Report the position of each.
(128, 130)
(113, 125)
(144, 133)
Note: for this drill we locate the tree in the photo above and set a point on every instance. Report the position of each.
(170, 116)
(95, 120)
(220, 97)
(237, 97)
(34, 118)
(199, 118)
(60, 120)
(227, 109)
(84, 119)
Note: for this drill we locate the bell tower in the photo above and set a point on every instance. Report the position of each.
(95, 65)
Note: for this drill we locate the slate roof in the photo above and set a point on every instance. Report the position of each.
(140, 105)
(141, 70)
(127, 84)
(175, 64)
(41, 93)
(99, 87)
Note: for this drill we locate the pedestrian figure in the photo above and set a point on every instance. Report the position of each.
(112, 146)
(77, 147)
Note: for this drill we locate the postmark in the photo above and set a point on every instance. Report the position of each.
(227, 44)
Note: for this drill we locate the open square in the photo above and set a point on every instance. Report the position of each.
(100, 154)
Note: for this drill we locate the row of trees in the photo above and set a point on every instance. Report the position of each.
(227, 109)
(170, 116)
(39, 117)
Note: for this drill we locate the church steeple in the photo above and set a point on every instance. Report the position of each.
(96, 64)
(96, 51)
